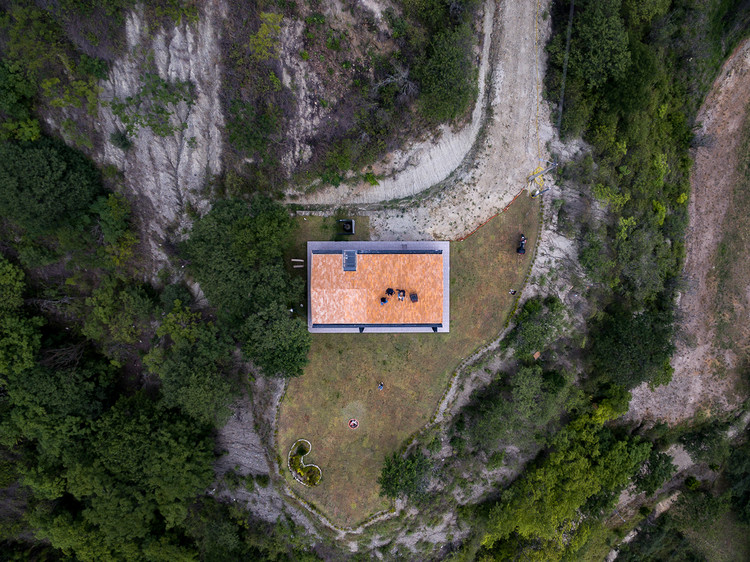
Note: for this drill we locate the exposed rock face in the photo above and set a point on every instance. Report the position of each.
(166, 174)
(305, 84)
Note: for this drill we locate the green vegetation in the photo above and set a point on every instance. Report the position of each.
(16, 98)
(447, 76)
(307, 474)
(190, 362)
(708, 522)
(118, 311)
(110, 467)
(154, 106)
(514, 409)
(657, 469)
(44, 63)
(235, 252)
(441, 54)
(586, 469)
(632, 348)
(632, 91)
(404, 476)
(114, 225)
(43, 184)
(537, 325)
(376, 97)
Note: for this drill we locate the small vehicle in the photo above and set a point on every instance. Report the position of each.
(522, 246)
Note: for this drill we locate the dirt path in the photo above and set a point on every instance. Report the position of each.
(509, 151)
(425, 163)
(697, 383)
(483, 179)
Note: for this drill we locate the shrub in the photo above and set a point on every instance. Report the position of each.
(121, 140)
(537, 326)
(153, 106)
(447, 76)
(657, 469)
(629, 348)
(404, 476)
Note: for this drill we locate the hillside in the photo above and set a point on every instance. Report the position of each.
(163, 166)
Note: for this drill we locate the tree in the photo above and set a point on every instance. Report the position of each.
(630, 348)
(275, 341)
(20, 341)
(133, 480)
(114, 226)
(44, 184)
(54, 406)
(16, 98)
(191, 364)
(404, 476)
(584, 461)
(599, 47)
(234, 253)
(119, 312)
(12, 286)
(657, 469)
(535, 398)
(738, 475)
(537, 326)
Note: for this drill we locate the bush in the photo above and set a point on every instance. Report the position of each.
(630, 348)
(537, 326)
(657, 469)
(250, 128)
(276, 342)
(447, 76)
(404, 476)
(121, 140)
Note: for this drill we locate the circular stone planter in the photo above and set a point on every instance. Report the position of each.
(306, 474)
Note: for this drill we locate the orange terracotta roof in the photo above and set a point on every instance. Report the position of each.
(353, 297)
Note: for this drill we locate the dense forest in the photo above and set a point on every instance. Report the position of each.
(114, 379)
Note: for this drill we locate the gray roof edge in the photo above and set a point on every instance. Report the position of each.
(389, 245)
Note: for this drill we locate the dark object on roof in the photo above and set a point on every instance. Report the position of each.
(522, 247)
(350, 260)
(414, 297)
(383, 300)
(389, 291)
(401, 294)
(346, 226)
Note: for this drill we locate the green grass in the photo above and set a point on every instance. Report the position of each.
(341, 379)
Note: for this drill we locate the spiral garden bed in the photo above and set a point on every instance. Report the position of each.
(306, 474)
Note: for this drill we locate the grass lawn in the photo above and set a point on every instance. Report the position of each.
(341, 379)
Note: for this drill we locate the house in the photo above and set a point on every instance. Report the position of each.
(378, 286)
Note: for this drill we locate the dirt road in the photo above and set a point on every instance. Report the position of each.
(484, 177)
(698, 362)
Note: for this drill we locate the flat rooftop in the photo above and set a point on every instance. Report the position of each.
(347, 280)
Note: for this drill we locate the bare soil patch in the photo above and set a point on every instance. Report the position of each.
(706, 376)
